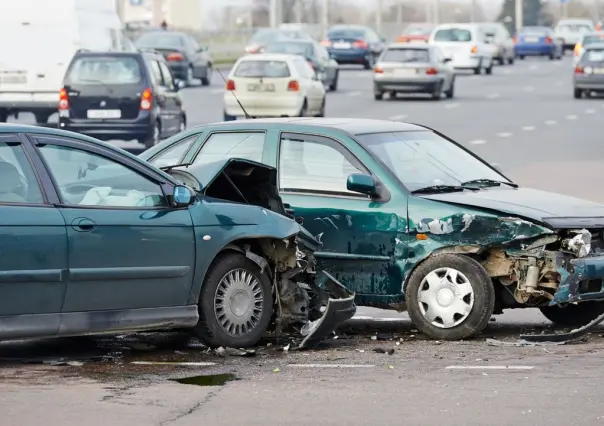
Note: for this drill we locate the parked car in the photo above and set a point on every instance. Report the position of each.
(499, 37)
(570, 31)
(187, 59)
(97, 240)
(407, 215)
(273, 85)
(327, 69)
(465, 45)
(416, 33)
(264, 36)
(116, 95)
(354, 44)
(537, 41)
(596, 37)
(410, 68)
(589, 71)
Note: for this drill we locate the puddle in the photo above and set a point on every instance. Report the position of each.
(207, 380)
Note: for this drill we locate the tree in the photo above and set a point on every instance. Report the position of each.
(531, 12)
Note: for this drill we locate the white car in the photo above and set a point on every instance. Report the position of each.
(465, 45)
(570, 31)
(273, 85)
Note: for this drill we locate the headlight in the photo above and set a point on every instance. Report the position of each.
(580, 244)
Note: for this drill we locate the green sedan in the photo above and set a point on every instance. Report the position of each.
(409, 219)
(95, 240)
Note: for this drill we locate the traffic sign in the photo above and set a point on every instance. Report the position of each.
(564, 1)
(136, 2)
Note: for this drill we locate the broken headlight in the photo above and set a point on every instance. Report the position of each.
(580, 244)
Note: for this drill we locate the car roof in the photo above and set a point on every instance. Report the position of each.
(353, 126)
(85, 52)
(348, 27)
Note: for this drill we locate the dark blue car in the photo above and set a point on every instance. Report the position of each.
(354, 44)
(537, 41)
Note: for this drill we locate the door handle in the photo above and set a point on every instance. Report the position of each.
(82, 224)
(288, 208)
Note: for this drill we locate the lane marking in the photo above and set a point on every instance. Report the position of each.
(216, 91)
(528, 128)
(187, 364)
(355, 93)
(451, 106)
(550, 122)
(478, 142)
(571, 117)
(397, 117)
(590, 111)
(528, 88)
(533, 67)
(331, 365)
(490, 367)
(493, 96)
(504, 135)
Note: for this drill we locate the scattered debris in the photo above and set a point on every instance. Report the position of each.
(521, 343)
(286, 348)
(391, 367)
(276, 370)
(207, 380)
(184, 364)
(384, 351)
(572, 335)
(234, 352)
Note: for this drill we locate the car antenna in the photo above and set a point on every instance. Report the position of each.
(235, 96)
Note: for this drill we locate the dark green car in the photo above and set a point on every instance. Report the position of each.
(410, 219)
(95, 240)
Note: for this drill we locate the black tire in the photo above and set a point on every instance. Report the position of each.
(205, 81)
(477, 70)
(322, 112)
(190, 79)
(578, 93)
(510, 61)
(482, 286)
(183, 124)
(489, 70)
(208, 328)
(42, 117)
(552, 57)
(450, 93)
(501, 61)
(573, 315)
(369, 62)
(154, 137)
(378, 96)
(3, 116)
(437, 94)
(521, 57)
(304, 109)
(334, 84)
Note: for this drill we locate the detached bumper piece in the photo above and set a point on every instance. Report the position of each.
(339, 308)
(575, 334)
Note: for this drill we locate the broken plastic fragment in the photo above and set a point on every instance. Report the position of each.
(276, 370)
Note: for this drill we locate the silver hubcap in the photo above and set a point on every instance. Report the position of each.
(190, 75)
(445, 297)
(156, 134)
(238, 302)
(182, 126)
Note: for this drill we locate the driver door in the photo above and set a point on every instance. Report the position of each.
(127, 248)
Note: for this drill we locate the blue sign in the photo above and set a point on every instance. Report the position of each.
(136, 2)
(564, 1)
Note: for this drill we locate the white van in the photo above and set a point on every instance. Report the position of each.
(466, 45)
(38, 38)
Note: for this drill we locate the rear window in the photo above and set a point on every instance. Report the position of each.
(272, 35)
(260, 68)
(593, 39)
(594, 55)
(406, 55)
(417, 30)
(575, 27)
(535, 32)
(305, 49)
(453, 34)
(160, 40)
(105, 70)
(347, 34)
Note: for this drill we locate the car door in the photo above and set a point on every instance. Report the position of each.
(173, 99)
(160, 94)
(311, 80)
(33, 248)
(128, 249)
(197, 55)
(327, 63)
(443, 67)
(359, 238)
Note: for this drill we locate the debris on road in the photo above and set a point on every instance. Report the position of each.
(175, 363)
(384, 351)
(234, 352)
(521, 343)
(572, 335)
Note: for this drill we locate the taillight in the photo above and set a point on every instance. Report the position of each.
(252, 49)
(402, 39)
(326, 43)
(312, 64)
(515, 40)
(293, 86)
(147, 100)
(175, 56)
(63, 100)
(230, 85)
(431, 71)
(360, 44)
(378, 71)
(474, 49)
(579, 70)
(548, 40)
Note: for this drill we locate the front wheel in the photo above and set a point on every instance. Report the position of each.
(450, 297)
(521, 57)
(321, 112)
(489, 70)
(206, 80)
(477, 71)
(451, 91)
(154, 137)
(235, 303)
(334, 84)
(573, 315)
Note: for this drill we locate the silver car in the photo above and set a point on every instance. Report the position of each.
(589, 71)
(503, 44)
(570, 31)
(410, 68)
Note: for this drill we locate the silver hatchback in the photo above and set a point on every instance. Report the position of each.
(409, 68)
(589, 72)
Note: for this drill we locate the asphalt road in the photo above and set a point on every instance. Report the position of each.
(524, 118)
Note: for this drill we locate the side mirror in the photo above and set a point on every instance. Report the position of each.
(497, 167)
(447, 60)
(361, 183)
(383, 39)
(180, 84)
(182, 196)
(203, 49)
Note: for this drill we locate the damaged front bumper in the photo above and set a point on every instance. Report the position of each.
(582, 279)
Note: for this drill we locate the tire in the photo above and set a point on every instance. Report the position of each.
(451, 92)
(190, 79)
(3, 115)
(304, 109)
(477, 71)
(500, 61)
(578, 93)
(42, 118)
(510, 61)
(183, 124)
(552, 57)
(437, 94)
(378, 96)
(155, 136)
(489, 70)
(209, 328)
(334, 85)
(322, 112)
(481, 308)
(205, 81)
(369, 62)
(521, 57)
(573, 315)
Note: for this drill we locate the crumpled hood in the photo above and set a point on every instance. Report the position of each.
(557, 210)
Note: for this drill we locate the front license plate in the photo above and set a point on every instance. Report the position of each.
(104, 113)
(261, 87)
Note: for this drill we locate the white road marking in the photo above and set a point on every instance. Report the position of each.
(533, 67)
(528, 88)
(451, 106)
(508, 72)
(478, 142)
(504, 135)
(590, 111)
(558, 83)
(331, 365)
(571, 117)
(355, 93)
(187, 364)
(216, 91)
(528, 128)
(493, 96)
(550, 122)
(397, 117)
(490, 367)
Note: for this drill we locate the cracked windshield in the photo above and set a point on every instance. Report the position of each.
(263, 204)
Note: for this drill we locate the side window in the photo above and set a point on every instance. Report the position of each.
(372, 37)
(303, 68)
(322, 53)
(87, 179)
(244, 145)
(309, 166)
(193, 44)
(157, 75)
(168, 79)
(175, 153)
(18, 182)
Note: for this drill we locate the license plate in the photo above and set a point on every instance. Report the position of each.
(342, 45)
(104, 113)
(404, 73)
(599, 71)
(531, 39)
(261, 87)
(13, 79)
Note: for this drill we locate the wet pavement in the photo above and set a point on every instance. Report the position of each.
(374, 370)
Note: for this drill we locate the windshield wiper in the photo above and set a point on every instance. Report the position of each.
(167, 168)
(433, 189)
(487, 183)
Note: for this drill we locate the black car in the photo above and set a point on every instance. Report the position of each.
(121, 95)
(187, 60)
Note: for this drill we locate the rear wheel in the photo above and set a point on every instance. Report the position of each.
(154, 136)
(3, 115)
(304, 110)
(205, 81)
(190, 79)
(489, 70)
(552, 57)
(521, 57)
(578, 93)
(501, 61)
(477, 71)
(369, 62)
(573, 315)
(321, 112)
(511, 61)
(42, 117)
(378, 96)
(334, 84)
(438, 90)
(451, 91)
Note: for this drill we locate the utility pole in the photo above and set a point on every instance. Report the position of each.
(378, 17)
(324, 17)
(473, 11)
(436, 11)
(299, 11)
(428, 12)
(273, 9)
(519, 12)
(399, 12)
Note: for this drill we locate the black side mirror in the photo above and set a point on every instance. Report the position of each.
(447, 60)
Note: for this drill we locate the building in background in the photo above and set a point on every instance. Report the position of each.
(181, 14)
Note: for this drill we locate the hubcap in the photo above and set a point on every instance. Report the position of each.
(445, 297)
(190, 75)
(238, 302)
(156, 134)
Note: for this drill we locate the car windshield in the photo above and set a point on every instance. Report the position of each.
(406, 55)
(262, 68)
(453, 34)
(160, 40)
(420, 159)
(352, 34)
(105, 70)
(591, 39)
(417, 30)
(304, 49)
(268, 35)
